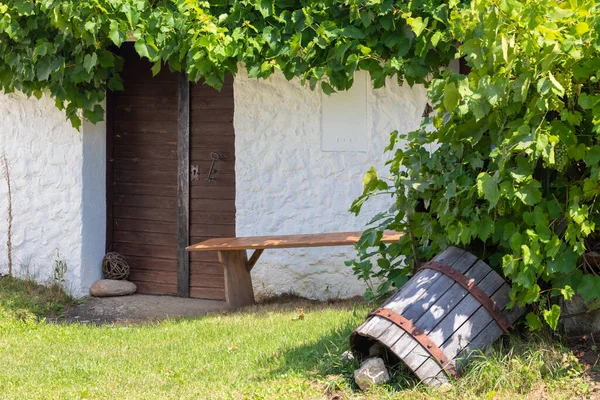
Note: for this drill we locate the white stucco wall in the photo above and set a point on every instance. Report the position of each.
(47, 168)
(286, 184)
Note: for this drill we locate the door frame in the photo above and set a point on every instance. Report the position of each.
(183, 187)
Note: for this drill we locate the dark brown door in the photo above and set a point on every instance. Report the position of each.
(142, 175)
(212, 203)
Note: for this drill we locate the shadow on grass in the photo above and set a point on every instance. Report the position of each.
(324, 363)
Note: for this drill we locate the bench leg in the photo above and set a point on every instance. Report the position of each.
(238, 284)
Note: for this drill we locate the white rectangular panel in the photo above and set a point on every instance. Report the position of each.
(344, 120)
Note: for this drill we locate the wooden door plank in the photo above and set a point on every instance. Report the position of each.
(183, 188)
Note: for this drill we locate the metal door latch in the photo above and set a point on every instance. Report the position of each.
(215, 157)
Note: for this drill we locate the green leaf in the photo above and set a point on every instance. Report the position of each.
(417, 25)
(46, 67)
(451, 96)
(533, 322)
(530, 193)
(265, 7)
(487, 188)
(369, 238)
(551, 316)
(115, 34)
(327, 89)
(589, 287)
(370, 180)
(567, 292)
(592, 155)
(582, 28)
(271, 37)
(156, 68)
(141, 48)
(353, 32)
(90, 61)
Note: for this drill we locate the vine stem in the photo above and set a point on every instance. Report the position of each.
(10, 216)
(416, 264)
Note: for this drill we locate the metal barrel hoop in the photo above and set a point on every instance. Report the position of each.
(470, 286)
(421, 337)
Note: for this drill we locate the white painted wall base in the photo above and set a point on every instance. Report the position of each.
(286, 183)
(57, 192)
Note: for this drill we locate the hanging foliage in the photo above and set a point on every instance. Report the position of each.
(65, 47)
(515, 177)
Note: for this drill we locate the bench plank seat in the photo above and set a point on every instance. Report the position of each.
(287, 241)
(237, 266)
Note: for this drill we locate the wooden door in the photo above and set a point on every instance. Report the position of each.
(212, 202)
(142, 174)
(144, 209)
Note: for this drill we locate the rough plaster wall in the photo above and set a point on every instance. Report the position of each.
(45, 157)
(46, 162)
(285, 183)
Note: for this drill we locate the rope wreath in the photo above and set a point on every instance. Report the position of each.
(114, 266)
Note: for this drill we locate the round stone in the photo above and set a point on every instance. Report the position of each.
(111, 287)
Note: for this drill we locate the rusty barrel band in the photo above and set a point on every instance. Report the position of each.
(421, 337)
(470, 286)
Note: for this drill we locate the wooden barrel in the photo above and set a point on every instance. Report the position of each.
(453, 305)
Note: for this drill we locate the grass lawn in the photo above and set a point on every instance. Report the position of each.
(266, 352)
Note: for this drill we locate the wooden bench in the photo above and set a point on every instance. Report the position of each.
(233, 257)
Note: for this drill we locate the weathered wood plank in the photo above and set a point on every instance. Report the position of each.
(287, 241)
(145, 213)
(254, 258)
(415, 357)
(436, 312)
(238, 283)
(145, 250)
(445, 304)
(474, 327)
(207, 293)
(213, 217)
(215, 192)
(183, 188)
(145, 238)
(442, 288)
(418, 287)
(488, 335)
(411, 301)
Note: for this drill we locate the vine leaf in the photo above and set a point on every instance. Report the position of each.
(551, 316)
(451, 96)
(488, 188)
(370, 180)
(533, 322)
(589, 287)
(90, 61)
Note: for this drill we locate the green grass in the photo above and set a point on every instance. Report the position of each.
(265, 352)
(25, 298)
